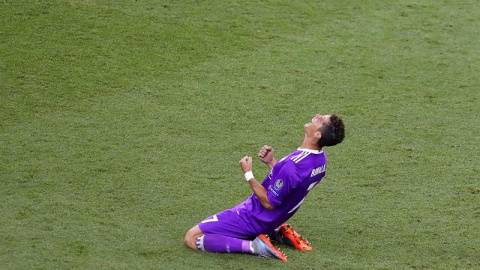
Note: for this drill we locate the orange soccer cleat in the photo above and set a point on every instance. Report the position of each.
(264, 248)
(292, 238)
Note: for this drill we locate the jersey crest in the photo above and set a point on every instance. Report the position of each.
(278, 184)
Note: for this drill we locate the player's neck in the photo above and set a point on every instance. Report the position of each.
(307, 144)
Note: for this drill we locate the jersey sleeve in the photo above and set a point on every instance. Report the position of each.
(282, 184)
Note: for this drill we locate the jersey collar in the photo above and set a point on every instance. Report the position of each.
(310, 150)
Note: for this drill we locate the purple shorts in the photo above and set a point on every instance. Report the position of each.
(226, 223)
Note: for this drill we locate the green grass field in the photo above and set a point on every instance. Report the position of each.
(122, 123)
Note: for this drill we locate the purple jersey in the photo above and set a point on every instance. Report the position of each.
(287, 185)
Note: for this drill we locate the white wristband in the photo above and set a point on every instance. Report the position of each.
(249, 176)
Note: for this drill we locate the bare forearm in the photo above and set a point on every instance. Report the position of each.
(261, 193)
(258, 190)
(272, 163)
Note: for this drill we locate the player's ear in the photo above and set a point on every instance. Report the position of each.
(318, 135)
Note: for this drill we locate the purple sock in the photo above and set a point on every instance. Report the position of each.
(223, 244)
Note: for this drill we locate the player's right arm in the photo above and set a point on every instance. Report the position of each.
(258, 189)
(266, 156)
(261, 193)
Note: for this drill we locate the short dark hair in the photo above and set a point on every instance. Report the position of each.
(333, 132)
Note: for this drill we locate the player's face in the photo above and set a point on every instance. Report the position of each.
(317, 121)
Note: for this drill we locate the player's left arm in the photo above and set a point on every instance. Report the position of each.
(258, 190)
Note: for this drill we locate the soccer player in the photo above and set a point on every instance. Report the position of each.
(249, 226)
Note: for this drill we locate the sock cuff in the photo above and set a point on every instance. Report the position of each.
(200, 243)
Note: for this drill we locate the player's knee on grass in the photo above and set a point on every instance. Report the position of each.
(192, 236)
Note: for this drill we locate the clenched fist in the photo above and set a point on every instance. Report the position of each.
(246, 163)
(266, 155)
